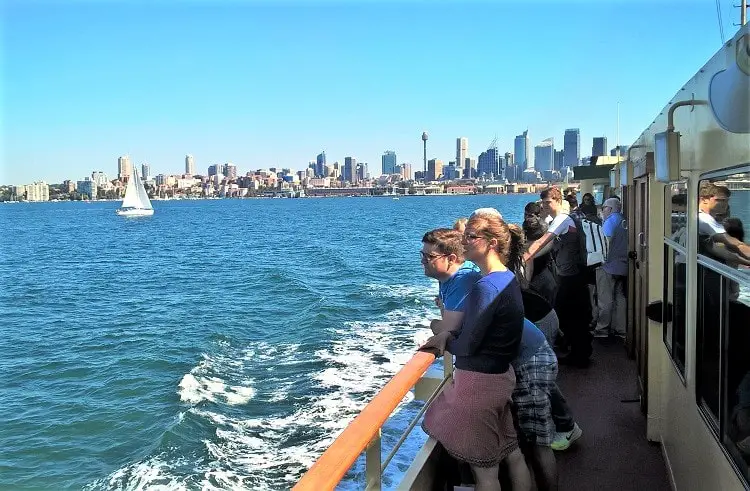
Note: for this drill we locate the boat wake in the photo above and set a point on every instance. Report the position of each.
(257, 417)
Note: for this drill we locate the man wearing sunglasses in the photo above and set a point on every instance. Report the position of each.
(442, 257)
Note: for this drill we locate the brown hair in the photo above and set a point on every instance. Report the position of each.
(460, 224)
(447, 241)
(510, 238)
(708, 190)
(553, 193)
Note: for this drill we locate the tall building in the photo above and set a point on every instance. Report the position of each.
(189, 165)
(509, 159)
(389, 162)
(145, 172)
(362, 173)
(522, 148)
(572, 147)
(320, 164)
(544, 155)
(599, 147)
(87, 188)
(470, 165)
(559, 159)
(462, 151)
(99, 178)
(39, 191)
(230, 170)
(434, 170)
(349, 172)
(405, 171)
(124, 168)
(489, 163)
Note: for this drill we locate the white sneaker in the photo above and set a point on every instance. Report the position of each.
(565, 439)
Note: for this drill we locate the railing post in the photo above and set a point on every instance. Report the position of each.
(372, 464)
(447, 364)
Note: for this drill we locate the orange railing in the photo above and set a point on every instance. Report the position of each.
(333, 465)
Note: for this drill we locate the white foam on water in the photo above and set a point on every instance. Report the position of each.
(272, 452)
(152, 475)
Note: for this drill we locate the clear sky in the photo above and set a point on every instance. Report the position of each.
(263, 84)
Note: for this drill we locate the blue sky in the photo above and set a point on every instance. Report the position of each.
(263, 84)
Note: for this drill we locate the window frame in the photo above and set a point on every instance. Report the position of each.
(717, 426)
(668, 283)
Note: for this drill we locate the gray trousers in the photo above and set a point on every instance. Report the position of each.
(612, 304)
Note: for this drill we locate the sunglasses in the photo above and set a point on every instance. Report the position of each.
(430, 257)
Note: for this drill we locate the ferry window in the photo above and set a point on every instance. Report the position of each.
(674, 273)
(723, 310)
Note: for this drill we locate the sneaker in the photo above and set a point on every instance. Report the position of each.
(563, 440)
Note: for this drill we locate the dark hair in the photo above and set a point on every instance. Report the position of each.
(588, 209)
(733, 227)
(588, 195)
(532, 209)
(571, 198)
(534, 227)
(510, 239)
(446, 240)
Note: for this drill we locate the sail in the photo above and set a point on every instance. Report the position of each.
(132, 199)
(142, 196)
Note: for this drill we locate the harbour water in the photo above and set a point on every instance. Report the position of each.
(216, 345)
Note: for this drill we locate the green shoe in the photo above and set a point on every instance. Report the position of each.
(563, 440)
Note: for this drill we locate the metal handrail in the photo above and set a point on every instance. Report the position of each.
(414, 422)
(333, 465)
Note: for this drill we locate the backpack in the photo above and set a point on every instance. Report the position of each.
(596, 242)
(583, 255)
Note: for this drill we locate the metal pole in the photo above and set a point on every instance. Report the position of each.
(743, 13)
(618, 132)
(425, 158)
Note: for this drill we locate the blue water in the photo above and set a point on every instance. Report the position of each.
(216, 345)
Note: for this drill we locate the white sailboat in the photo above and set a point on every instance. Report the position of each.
(136, 202)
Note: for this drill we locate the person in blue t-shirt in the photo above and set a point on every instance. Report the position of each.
(443, 259)
(472, 417)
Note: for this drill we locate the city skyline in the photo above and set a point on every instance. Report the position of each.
(76, 97)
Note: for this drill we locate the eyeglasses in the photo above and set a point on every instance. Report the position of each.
(430, 257)
(473, 236)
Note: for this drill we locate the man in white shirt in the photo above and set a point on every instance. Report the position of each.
(712, 201)
(572, 301)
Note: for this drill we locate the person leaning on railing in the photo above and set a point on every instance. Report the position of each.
(472, 417)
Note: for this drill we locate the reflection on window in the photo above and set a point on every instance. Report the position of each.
(723, 310)
(674, 273)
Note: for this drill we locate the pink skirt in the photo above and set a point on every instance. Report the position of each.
(472, 417)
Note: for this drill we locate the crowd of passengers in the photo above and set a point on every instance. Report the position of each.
(508, 294)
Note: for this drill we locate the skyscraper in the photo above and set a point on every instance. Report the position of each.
(434, 169)
(389, 162)
(349, 172)
(145, 172)
(189, 165)
(124, 167)
(522, 150)
(559, 159)
(462, 151)
(489, 163)
(230, 170)
(572, 147)
(320, 164)
(544, 155)
(599, 147)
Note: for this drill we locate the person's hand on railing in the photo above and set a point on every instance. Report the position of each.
(436, 344)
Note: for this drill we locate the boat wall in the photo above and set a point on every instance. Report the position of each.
(695, 459)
